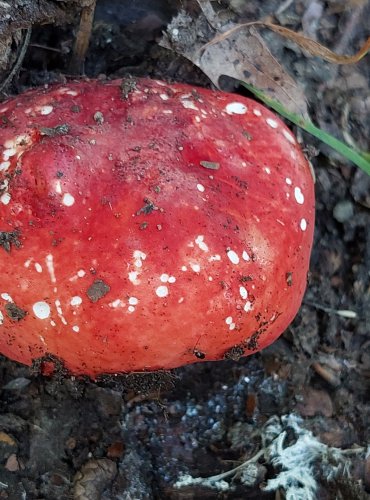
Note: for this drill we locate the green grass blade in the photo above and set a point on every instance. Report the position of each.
(361, 160)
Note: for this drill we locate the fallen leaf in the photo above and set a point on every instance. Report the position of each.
(115, 450)
(12, 463)
(6, 439)
(311, 46)
(315, 402)
(241, 55)
(93, 477)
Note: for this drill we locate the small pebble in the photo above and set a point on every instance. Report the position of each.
(343, 211)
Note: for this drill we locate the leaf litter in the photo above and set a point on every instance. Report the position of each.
(223, 48)
(242, 55)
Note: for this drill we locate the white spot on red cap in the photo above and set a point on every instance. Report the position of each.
(38, 267)
(229, 321)
(162, 291)
(116, 303)
(289, 136)
(76, 328)
(5, 198)
(46, 110)
(4, 165)
(133, 301)
(257, 112)
(248, 306)
(6, 297)
(272, 123)
(303, 224)
(164, 97)
(288, 181)
(76, 300)
(68, 200)
(195, 267)
(133, 277)
(22, 140)
(139, 256)
(8, 153)
(50, 265)
(189, 105)
(298, 195)
(200, 242)
(58, 187)
(243, 292)
(245, 256)
(233, 257)
(41, 310)
(58, 305)
(236, 108)
(201, 188)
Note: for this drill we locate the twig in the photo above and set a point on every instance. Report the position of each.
(83, 38)
(242, 466)
(19, 61)
(344, 313)
(46, 47)
(212, 480)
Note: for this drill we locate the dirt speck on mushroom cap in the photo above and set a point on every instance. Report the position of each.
(173, 279)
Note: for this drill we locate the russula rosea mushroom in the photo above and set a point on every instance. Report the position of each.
(146, 225)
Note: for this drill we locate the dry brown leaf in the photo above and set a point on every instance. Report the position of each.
(243, 56)
(311, 46)
(93, 477)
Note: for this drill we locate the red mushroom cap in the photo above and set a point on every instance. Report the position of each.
(147, 225)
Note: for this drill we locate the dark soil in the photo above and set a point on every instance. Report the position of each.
(133, 437)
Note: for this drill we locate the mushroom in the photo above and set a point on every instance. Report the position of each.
(147, 225)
